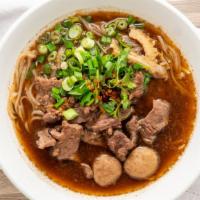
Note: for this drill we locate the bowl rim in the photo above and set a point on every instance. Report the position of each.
(30, 11)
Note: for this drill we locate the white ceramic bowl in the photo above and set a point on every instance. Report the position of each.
(13, 160)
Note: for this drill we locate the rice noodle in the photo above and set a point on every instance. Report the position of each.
(26, 125)
(16, 104)
(37, 118)
(32, 99)
(175, 63)
(94, 28)
(101, 47)
(164, 46)
(37, 112)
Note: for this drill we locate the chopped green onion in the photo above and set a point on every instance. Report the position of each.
(69, 82)
(75, 31)
(61, 73)
(81, 54)
(78, 75)
(64, 31)
(95, 62)
(87, 43)
(122, 24)
(110, 107)
(29, 74)
(45, 38)
(131, 20)
(59, 103)
(74, 19)
(68, 53)
(52, 56)
(65, 85)
(105, 40)
(63, 65)
(58, 27)
(88, 99)
(47, 69)
(55, 90)
(88, 18)
(55, 37)
(125, 101)
(67, 23)
(51, 47)
(41, 59)
(109, 69)
(112, 25)
(68, 44)
(139, 25)
(92, 69)
(42, 49)
(70, 114)
(110, 31)
(73, 64)
(90, 34)
(63, 57)
(106, 58)
(137, 67)
(79, 90)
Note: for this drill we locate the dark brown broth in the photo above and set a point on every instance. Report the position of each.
(170, 143)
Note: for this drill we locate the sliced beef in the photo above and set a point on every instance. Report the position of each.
(44, 85)
(52, 116)
(46, 101)
(139, 90)
(125, 114)
(142, 163)
(68, 144)
(86, 114)
(155, 121)
(45, 139)
(104, 123)
(57, 134)
(69, 103)
(120, 144)
(43, 88)
(87, 170)
(107, 170)
(132, 127)
(93, 138)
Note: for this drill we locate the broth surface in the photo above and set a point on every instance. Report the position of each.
(170, 143)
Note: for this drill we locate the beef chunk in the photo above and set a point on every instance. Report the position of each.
(120, 144)
(142, 163)
(45, 101)
(107, 170)
(104, 123)
(155, 121)
(44, 85)
(45, 139)
(87, 170)
(125, 114)
(68, 144)
(86, 114)
(132, 127)
(139, 90)
(43, 88)
(57, 134)
(93, 138)
(52, 116)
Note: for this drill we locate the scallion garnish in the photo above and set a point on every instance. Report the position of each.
(70, 114)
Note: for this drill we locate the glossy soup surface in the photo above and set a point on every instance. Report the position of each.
(170, 143)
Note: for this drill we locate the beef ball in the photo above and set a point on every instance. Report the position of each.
(107, 169)
(142, 163)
